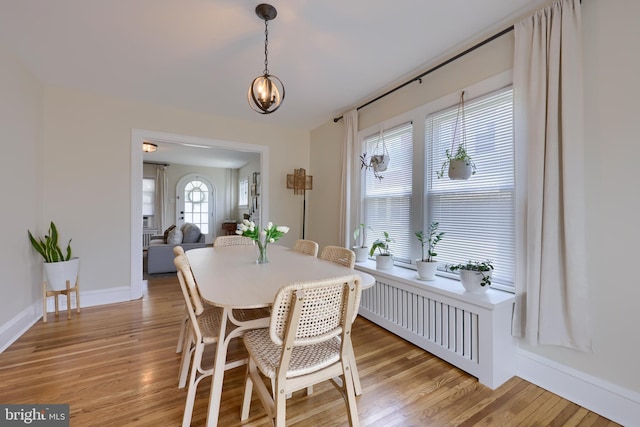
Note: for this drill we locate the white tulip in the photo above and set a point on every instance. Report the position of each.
(283, 229)
(269, 225)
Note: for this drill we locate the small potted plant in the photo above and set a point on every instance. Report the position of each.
(360, 242)
(459, 166)
(475, 276)
(58, 267)
(427, 265)
(384, 259)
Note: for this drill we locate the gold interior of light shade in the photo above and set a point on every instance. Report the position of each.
(149, 147)
(299, 181)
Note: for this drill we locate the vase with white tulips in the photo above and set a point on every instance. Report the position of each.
(271, 234)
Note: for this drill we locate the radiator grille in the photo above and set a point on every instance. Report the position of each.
(146, 237)
(447, 326)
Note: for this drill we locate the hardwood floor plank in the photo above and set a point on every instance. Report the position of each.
(115, 365)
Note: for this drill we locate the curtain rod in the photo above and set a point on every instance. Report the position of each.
(442, 64)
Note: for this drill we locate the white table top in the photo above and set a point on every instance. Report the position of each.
(230, 277)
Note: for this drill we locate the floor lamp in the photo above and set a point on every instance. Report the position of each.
(300, 182)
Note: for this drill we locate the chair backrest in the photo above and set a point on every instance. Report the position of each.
(312, 312)
(339, 255)
(185, 276)
(308, 247)
(232, 241)
(178, 250)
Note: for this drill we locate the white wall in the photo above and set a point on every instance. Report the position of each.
(612, 91)
(21, 188)
(88, 140)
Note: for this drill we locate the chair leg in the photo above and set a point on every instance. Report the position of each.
(350, 398)
(354, 372)
(248, 390)
(187, 358)
(191, 391)
(280, 402)
(183, 327)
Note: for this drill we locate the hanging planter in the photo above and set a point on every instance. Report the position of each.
(458, 163)
(379, 160)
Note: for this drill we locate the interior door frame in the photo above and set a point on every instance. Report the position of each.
(138, 136)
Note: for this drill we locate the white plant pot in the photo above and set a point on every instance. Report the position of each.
(426, 269)
(459, 169)
(471, 280)
(384, 262)
(362, 252)
(56, 274)
(380, 162)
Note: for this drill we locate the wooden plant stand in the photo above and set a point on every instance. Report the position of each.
(55, 294)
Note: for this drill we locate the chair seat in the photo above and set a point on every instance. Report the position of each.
(304, 360)
(209, 323)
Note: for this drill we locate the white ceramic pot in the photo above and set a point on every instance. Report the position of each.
(426, 269)
(380, 162)
(459, 169)
(384, 262)
(471, 280)
(57, 273)
(362, 252)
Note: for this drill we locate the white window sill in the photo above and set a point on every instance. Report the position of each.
(441, 285)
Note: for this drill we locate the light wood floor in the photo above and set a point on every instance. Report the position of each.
(116, 366)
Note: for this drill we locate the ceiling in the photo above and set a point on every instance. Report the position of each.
(201, 55)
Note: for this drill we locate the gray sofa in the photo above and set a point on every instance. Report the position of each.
(160, 254)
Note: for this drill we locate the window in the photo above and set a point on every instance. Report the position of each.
(387, 202)
(477, 215)
(243, 193)
(148, 196)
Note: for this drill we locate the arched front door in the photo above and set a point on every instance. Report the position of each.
(194, 203)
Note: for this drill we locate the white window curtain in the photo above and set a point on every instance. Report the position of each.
(161, 197)
(552, 304)
(349, 182)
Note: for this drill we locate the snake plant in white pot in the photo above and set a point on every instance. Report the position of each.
(427, 265)
(58, 267)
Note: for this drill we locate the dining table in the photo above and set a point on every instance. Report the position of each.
(230, 278)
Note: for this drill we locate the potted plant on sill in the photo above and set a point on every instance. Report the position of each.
(360, 241)
(58, 267)
(475, 276)
(384, 259)
(427, 266)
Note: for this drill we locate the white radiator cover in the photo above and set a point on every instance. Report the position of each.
(470, 331)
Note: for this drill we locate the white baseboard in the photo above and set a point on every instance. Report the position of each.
(14, 328)
(609, 400)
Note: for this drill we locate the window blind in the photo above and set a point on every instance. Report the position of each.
(477, 215)
(387, 202)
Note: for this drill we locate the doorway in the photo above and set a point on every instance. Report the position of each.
(138, 136)
(195, 199)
